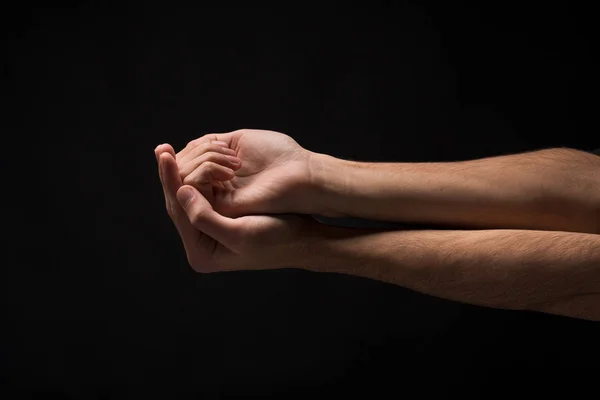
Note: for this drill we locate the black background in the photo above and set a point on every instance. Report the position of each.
(98, 300)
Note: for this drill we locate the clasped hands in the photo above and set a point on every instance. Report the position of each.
(240, 200)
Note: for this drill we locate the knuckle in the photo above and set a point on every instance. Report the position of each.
(188, 180)
(214, 148)
(211, 169)
(184, 170)
(206, 147)
(198, 217)
(193, 143)
(202, 174)
(215, 157)
(183, 174)
(210, 166)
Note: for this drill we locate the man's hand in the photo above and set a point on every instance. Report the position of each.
(547, 271)
(551, 189)
(274, 175)
(216, 243)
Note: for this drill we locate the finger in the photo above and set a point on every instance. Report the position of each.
(216, 184)
(162, 148)
(171, 183)
(224, 160)
(207, 173)
(222, 137)
(202, 216)
(201, 149)
(205, 189)
(166, 147)
(157, 154)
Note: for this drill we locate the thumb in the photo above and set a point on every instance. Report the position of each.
(202, 216)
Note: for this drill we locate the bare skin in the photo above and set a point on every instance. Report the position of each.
(217, 243)
(537, 252)
(273, 175)
(546, 271)
(551, 189)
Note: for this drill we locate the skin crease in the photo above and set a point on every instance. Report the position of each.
(217, 243)
(551, 189)
(272, 177)
(512, 263)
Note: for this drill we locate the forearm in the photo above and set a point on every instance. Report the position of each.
(553, 189)
(556, 272)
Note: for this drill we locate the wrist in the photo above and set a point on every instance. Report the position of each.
(328, 184)
(311, 250)
(325, 248)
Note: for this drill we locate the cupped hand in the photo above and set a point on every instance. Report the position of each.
(249, 172)
(214, 242)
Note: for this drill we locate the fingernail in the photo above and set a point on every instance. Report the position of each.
(186, 196)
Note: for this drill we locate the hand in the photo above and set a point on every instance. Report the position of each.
(213, 242)
(274, 175)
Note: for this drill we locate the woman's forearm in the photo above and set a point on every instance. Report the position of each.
(552, 189)
(548, 271)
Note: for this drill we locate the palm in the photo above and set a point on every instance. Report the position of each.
(263, 234)
(274, 166)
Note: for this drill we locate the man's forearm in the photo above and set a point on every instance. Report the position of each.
(548, 271)
(552, 189)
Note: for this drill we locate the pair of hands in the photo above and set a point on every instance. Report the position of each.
(214, 187)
